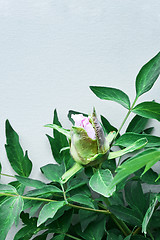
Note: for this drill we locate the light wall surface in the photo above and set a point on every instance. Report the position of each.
(51, 51)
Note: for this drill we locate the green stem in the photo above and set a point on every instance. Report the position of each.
(30, 198)
(51, 200)
(89, 209)
(7, 175)
(64, 194)
(102, 206)
(122, 226)
(157, 205)
(136, 231)
(149, 232)
(130, 110)
(68, 235)
(73, 170)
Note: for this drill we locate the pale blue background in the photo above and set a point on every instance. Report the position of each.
(52, 51)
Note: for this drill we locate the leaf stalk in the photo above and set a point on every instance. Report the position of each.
(130, 110)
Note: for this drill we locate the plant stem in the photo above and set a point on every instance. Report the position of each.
(64, 194)
(30, 198)
(51, 200)
(68, 235)
(136, 231)
(157, 205)
(149, 232)
(7, 175)
(89, 209)
(122, 226)
(67, 175)
(126, 117)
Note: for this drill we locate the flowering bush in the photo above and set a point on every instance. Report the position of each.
(92, 192)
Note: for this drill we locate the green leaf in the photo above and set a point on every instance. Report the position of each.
(126, 214)
(128, 237)
(137, 124)
(86, 217)
(54, 143)
(9, 213)
(82, 199)
(134, 164)
(60, 151)
(108, 127)
(116, 199)
(58, 237)
(19, 162)
(158, 197)
(44, 191)
(35, 207)
(154, 222)
(149, 165)
(100, 181)
(148, 215)
(60, 129)
(157, 234)
(48, 191)
(148, 110)
(112, 94)
(19, 187)
(150, 177)
(29, 229)
(140, 237)
(148, 75)
(134, 196)
(75, 183)
(58, 215)
(56, 134)
(135, 146)
(30, 182)
(53, 172)
(81, 190)
(109, 164)
(4, 188)
(128, 139)
(94, 231)
(58, 143)
(49, 210)
(114, 235)
(62, 224)
(43, 236)
(148, 130)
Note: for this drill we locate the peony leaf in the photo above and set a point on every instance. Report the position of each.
(60, 129)
(18, 160)
(148, 75)
(148, 215)
(148, 110)
(135, 146)
(113, 94)
(134, 164)
(100, 181)
(128, 139)
(49, 210)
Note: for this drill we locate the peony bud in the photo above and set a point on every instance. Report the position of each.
(88, 142)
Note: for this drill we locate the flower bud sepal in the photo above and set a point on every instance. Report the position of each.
(71, 172)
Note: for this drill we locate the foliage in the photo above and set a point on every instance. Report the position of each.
(100, 199)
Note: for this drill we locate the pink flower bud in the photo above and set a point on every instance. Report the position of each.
(88, 141)
(81, 121)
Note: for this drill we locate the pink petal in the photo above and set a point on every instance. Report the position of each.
(81, 121)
